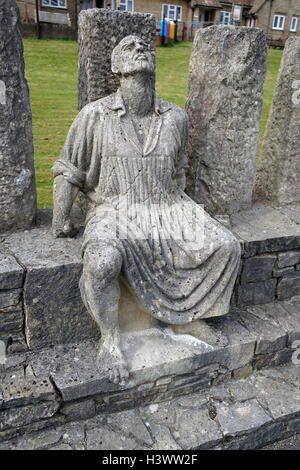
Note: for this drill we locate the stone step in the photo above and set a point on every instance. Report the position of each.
(248, 413)
(62, 383)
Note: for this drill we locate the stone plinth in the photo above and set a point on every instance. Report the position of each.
(279, 170)
(270, 252)
(39, 276)
(100, 30)
(17, 186)
(227, 70)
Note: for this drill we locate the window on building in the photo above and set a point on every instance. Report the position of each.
(294, 24)
(123, 5)
(173, 12)
(54, 3)
(87, 4)
(278, 22)
(226, 17)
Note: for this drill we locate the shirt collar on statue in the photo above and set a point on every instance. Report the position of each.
(116, 103)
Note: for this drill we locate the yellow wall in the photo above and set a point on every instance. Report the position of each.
(155, 7)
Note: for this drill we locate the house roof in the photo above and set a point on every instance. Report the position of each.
(257, 5)
(219, 3)
(245, 3)
(208, 3)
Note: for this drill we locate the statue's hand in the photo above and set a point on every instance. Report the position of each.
(63, 230)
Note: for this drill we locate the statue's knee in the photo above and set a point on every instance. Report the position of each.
(102, 264)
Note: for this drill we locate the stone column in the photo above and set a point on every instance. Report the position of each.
(278, 176)
(17, 184)
(227, 70)
(100, 30)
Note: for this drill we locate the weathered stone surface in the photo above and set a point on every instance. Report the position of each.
(242, 372)
(279, 169)
(10, 297)
(266, 229)
(195, 429)
(61, 447)
(18, 392)
(53, 308)
(242, 417)
(267, 327)
(11, 273)
(227, 70)
(294, 424)
(34, 441)
(289, 286)
(282, 315)
(242, 414)
(129, 423)
(74, 373)
(185, 365)
(11, 322)
(258, 268)
(17, 194)
(283, 271)
(258, 438)
(270, 336)
(106, 439)
(25, 415)
(67, 437)
(79, 410)
(277, 394)
(100, 30)
(255, 293)
(293, 320)
(163, 437)
(73, 434)
(289, 258)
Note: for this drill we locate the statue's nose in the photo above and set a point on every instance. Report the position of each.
(140, 47)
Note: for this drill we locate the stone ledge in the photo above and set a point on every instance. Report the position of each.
(244, 414)
(270, 239)
(163, 364)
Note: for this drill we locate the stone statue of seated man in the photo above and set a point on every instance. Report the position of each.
(126, 154)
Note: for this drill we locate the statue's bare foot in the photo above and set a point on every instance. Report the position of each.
(110, 359)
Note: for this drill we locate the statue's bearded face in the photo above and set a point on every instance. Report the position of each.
(132, 55)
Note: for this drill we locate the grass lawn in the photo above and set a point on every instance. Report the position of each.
(51, 70)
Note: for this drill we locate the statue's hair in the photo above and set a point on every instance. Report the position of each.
(117, 51)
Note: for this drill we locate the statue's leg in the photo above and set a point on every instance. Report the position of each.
(100, 292)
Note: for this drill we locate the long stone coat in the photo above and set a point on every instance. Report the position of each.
(181, 263)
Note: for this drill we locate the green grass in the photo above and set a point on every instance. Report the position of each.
(273, 63)
(51, 70)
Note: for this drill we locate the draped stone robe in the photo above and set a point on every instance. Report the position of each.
(179, 262)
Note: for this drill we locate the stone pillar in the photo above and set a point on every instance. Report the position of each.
(227, 70)
(278, 176)
(17, 184)
(100, 30)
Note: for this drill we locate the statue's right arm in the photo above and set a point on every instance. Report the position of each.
(68, 177)
(64, 194)
(70, 170)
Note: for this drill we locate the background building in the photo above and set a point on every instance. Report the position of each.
(58, 18)
(279, 18)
